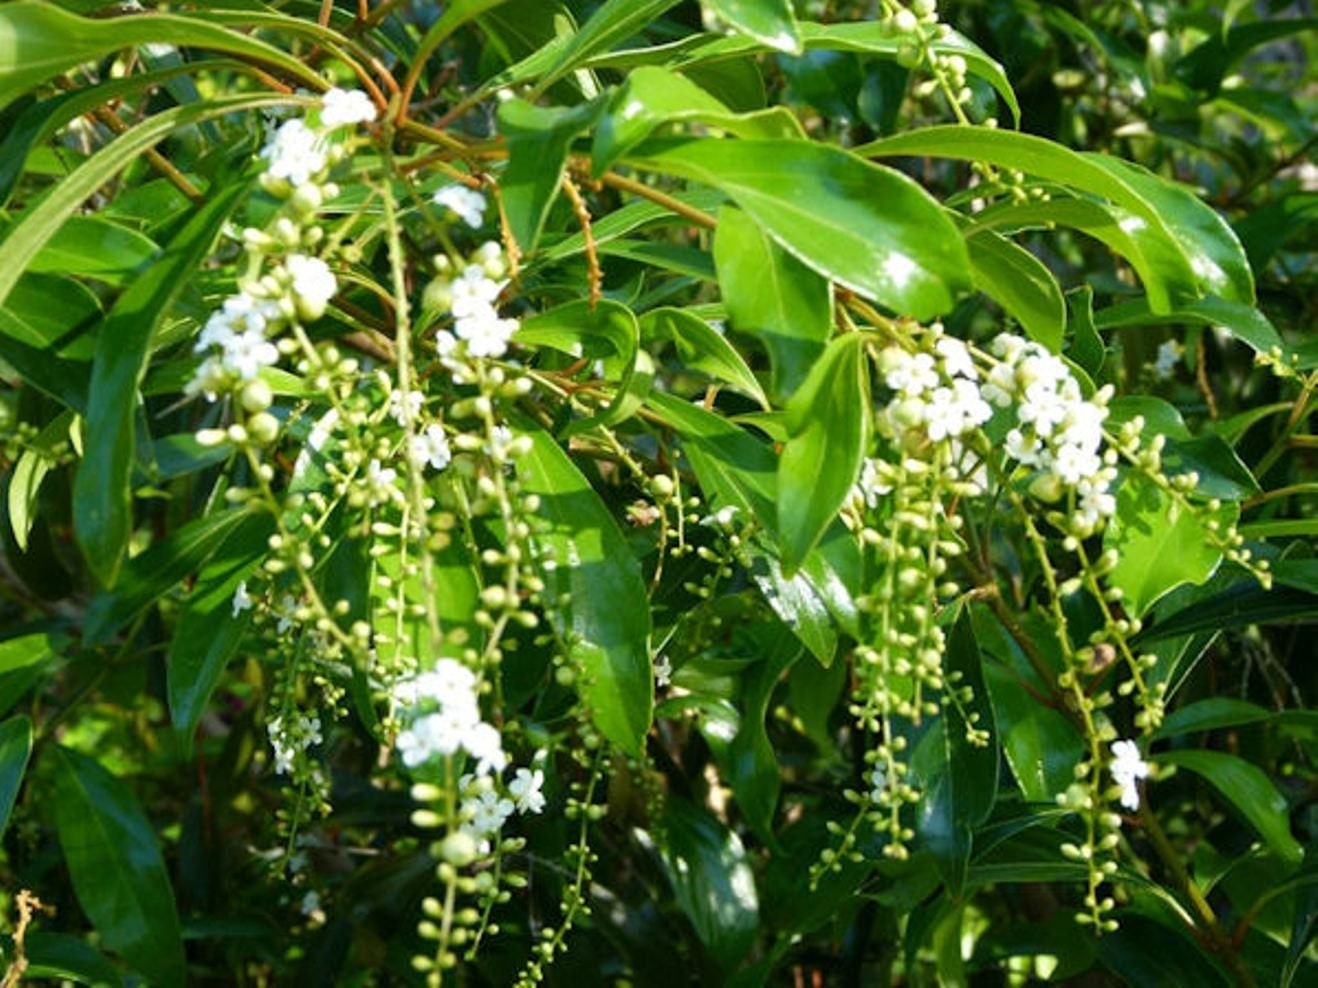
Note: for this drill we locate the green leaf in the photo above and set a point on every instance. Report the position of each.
(959, 792)
(753, 761)
(702, 348)
(39, 41)
(1207, 715)
(156, 570)
(102, 499)
(62, 955)
(800, 602)
(828, 426)
(771, 295)
(1144, 952)
(608, 330)
(597, 599)
(712, 881)
(1086, 350)
(1205, 66)
(1160, 543)
(869, 228)
(1020, 283)
(1244, 322)
(1241, 604)
(1041, 745)
(651, 97)
(770, 22)
(38, 224)
(1208, 247)
(538, 139)
(209, 630)
(90, 245)
(15, 749)
(1244, 786)
(611, 23)
(117, 870)
(36, 461)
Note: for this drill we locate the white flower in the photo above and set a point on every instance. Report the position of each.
(526, 789)
(430, 735)
(486, 334)
(1127, 768)
(404, 407)
(878, 783)
(311, 903)
(431, 448)
(486, 813)
(910, 374)
(285, 611)
(382, 482)
(871, 485)
(246, 353)
(238, 313)
(663, 671)
(312, 283)
(295, 153)
(956, 358)
(473, 292)
(242, 601)
(345, 107)
(482, 741)
(1169, 355)
(467, 204)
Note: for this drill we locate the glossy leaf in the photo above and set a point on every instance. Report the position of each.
(1019, 282)
(15, 750)
(866, 227)
(1041, 745)
(1207, 245)
(1245, 787)
(117, 870)
(959, 792)
(652, 97)
(156, 570)
(1244, 322)
(1160, 544)
(538, 139)
(712, 881)
(771, 295)
(768, 21)
(1207, 715)
(102, 501)
(39, 41)
(611, 22)
(828, 425)
(702, 348)
(209, 628)
(603, 611)
(28, 474)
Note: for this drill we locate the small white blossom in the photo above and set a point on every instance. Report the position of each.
(467, 204)
(405, 406)
(1169, 355)
(242, 601)
(295, 153)
(345, 107)
(526, 788)
(312, 283)
(431, 448)
(1127, 768)
(663, 671)
(486, 334)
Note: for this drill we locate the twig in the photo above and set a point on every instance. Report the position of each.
(594, 276)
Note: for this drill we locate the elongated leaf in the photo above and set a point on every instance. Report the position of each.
(15, 749)
(602, 608)
(62, 955)
(866, 227)
(1041, 745)
(93, 246)
(712, 881)
(773, 296)
(753, 763)
(1246, 788)
(102, 500)
(867, 37)
(652, 97)
(209, 630)
(611, 23)
(538, 139)
(157, 570)
(607, 330)
(767, 21)
(1244, 322)
(959, 794)
(1210, 249)
(828, 421)
(25, 481)
(39, 41)
(37, 225)
(1160, 544)
(1019, 282)
(702, 348)
(1206, 715)
(1206, 65)
(116, 867)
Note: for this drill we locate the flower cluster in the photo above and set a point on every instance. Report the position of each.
(469, 292)
(1057, 431)
(237, 341)
(1127, 768)
(455, 726)
(937, 394)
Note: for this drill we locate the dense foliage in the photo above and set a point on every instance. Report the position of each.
(650, 492)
